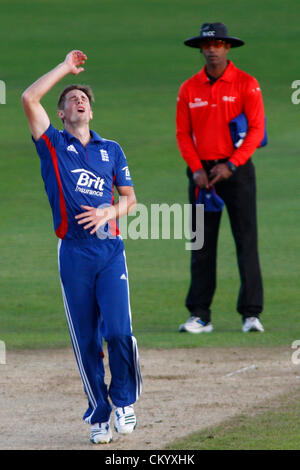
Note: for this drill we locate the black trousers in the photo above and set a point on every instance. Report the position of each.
(239, 195)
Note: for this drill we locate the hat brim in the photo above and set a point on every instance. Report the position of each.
(196, 41)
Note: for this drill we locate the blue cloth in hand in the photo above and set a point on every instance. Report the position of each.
(212, 202)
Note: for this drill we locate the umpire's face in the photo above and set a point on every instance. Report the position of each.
(215, 51)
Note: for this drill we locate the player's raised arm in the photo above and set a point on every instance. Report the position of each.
(37, 117)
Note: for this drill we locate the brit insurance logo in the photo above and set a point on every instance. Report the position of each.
(89, 183)
(198, 103)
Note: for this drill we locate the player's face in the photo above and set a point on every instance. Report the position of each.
(215, 51)
(77, 108)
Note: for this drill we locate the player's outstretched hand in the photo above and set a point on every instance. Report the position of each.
(74, 59)
(93, 217)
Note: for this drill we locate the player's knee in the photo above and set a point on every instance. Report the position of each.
(118, 341)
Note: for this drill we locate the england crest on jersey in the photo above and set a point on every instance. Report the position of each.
(104, 155)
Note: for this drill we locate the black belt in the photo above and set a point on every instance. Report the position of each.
(211, 163)
(207, 165)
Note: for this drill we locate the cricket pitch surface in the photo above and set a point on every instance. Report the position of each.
(184, 390)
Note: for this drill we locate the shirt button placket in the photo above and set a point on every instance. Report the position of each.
(213, 95)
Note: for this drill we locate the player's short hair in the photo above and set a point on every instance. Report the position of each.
(85, 88)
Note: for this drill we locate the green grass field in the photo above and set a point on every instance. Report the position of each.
(277, 428)
(136, 63)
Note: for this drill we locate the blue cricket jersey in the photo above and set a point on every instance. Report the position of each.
(75, 175)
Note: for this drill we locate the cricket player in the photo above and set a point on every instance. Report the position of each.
(80, 170)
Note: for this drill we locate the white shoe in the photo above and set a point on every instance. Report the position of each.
(125, 419)
(101, 433)
(196, 325)
(252, 324)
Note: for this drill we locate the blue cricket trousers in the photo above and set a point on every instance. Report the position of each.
(95, 290)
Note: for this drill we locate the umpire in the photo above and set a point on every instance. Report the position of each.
(218, 166)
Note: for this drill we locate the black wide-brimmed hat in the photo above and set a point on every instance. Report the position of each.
(213, 31)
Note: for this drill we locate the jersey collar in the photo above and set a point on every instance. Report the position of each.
(94, 137)
(227, 76)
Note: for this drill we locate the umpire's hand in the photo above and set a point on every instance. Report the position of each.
(200, 178)
(218, 173)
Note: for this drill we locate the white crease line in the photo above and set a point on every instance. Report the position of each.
(241, 370)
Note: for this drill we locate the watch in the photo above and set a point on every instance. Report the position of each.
(232, 167)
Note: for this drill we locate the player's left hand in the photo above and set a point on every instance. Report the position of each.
(218, 173)
(93, 217)
(74, 59)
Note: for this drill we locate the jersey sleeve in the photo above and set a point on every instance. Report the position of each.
(253, 108)
(184, 132)
(122, 173)
(49, 140)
